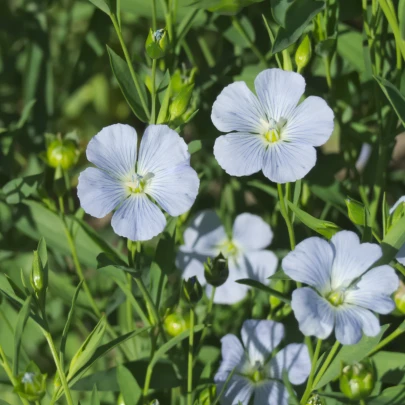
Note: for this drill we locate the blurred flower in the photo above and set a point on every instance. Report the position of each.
(191, 290)
(206, 237)
(176, 323)
(31, 384)
(272, 133)
(157, 43)
(162, 172)
(257, 373)
(397, 210)
(343, 292)
(357, 381)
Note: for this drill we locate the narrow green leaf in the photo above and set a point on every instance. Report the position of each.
(95, 400)
(129, 387)
(259, 286)
(194, 146)
(272, 191)
(401, 18)
(26, 112)
(279, 10)
(390, 396)
(22, 187)
(279, 275)
(102, 5)
(393, 241)
(164, 108)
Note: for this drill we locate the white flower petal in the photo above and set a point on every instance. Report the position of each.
(138, 218)
(228, 293)
(258, 265)
(205, 233)
(401, 255)
(373, 291)
(400, 200)
(191, 264)
(295, 359)
(239, 389)
(313, 313)
(233, 357)
(237, 109)
(260, 338)
(271, 393)
(251, 233)
(352, 258)
(113, 149)
(286, 162)
(310, 263)
(311, 122)
(279, 92)
(240, 154)
(351, 321)
(98, 192)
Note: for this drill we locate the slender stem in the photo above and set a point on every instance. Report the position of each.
(205, 49)
(397, 332)
(190, 360)
(149, 370)
(154, 22)
(327, 362)
(326, 60)
(129, 63)
(62, 375)
(153, 116)
(362, 402)
(310, 381)
(284, 213)
(118, 11)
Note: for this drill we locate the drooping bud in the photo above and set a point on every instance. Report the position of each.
(216, 271)
(303, 53)
(175, 324)
(357, 380)
(37, 273)
(191, 290)
(62, 153)
(315, 399)
(399, 298)
(31, 384)
(157, 43)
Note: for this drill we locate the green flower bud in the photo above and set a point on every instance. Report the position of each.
(62, 153)
(175, 324)
(303, 53)
(179, 104)
(31, 384)
(357, 381)
(208, 395)
(356, 211)
(315, 399)
(399, 298)
(157, 43)
(216, 271)
(37, 273)
(120, 400)
(191, 290)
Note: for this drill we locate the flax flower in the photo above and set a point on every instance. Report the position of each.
(401, 253)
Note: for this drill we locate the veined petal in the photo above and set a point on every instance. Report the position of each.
(239, 389)
(138, 218)
(161, 149)
(310, 263)
(314, 314)
(251, 233)
(174, 189)
(272, 392)
(113, 149)
(205, 233)
(98, 192)
(286, 162)
(279, 92)
(191, 264)
(373, 291)
(228, 293)
(295, 359)
(311, 122)
(233, 356)
(240, 154)
(352, 258)
(237, 109)
(260, 338)
(257, 265)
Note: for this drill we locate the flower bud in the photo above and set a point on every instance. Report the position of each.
(191, 290)
(357, 381)
(356, 211)
(31, 385)
(315, 399)
(303, 53)
(120, 400)
(157, 43)
(175, 324)
(37, 273)
(62, 153)
(399, 298)
(154, 402)
(180, 102)
(216, 271)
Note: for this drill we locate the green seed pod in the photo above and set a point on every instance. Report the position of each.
(37, 273)
(62, 153)
(157, 43)
(399, 298)
(31, 384)
(315, 399)
(216, 271)
(357, 381)
(303, 53)
(191, 290)
(175, 324)
(179, 104)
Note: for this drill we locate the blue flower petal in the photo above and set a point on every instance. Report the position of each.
(269, 393)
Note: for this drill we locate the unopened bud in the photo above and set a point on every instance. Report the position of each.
(180, 102)
(175, 324)
(191, 290)
(315, 399)
(157, 43)
(399, 298)
(31, 384)
(62, 153)
(37, 273)
(356, 211)
(357, 381)
(216, 271)
(303, 53)
(120, 400)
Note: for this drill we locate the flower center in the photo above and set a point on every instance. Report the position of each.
(257, 373)
(336, 297)
(273, 130)
(137, 183)
(228, 248)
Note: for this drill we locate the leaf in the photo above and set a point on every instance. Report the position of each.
(194, 146)
(393, 241)
(297, 17)
(350, 48)
(22, 187)
(259, 286)
(95, 400)
(102, 5)
(164, 108)
(123, 76)
(234, 36)
(390, 396)
(26, 112)
(19, 328)
(279, 10)
(350, 354)
(272, 191)
(390, 367)
(393, 95)
(129, 387)
(401, 18)
(325, 228)
(279, 275)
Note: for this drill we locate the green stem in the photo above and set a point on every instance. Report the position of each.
(327, 71)
(154, 20)
(149, 371)
(205, 49)
(62, 375)
(326, 364)
(190, 360)
(129, 63)
(362, 402)
(397, 332)
(153, 116)
(284, 213)
(310, 381)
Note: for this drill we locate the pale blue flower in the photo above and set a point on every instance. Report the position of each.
(244, 249)
(343, 293)
(272, 132)
(400, 256)
(129, 181)
(257, 371)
